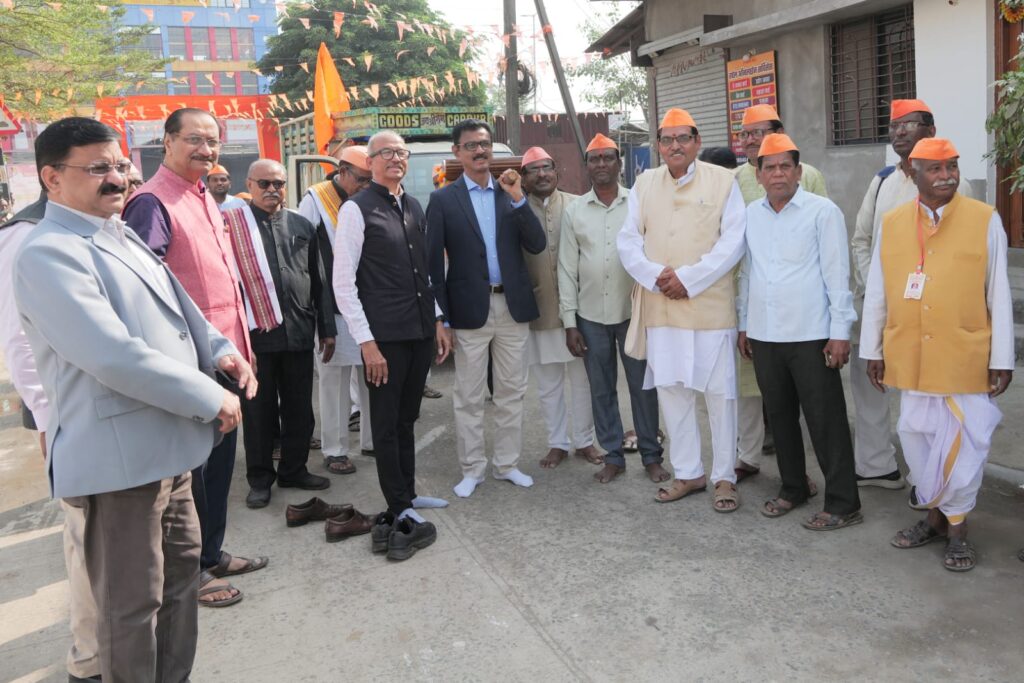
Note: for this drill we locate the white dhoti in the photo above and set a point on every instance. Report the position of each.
(340, 386)
(946, 440)
(550, 363)
(681, 363)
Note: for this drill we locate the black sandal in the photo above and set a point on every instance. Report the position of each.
(832, 522)
(959, 549)
(339, 464)
(916, 536)
(353, 422)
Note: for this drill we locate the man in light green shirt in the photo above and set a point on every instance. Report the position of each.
(595, 305)
(758, 121)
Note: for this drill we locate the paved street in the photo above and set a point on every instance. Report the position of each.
(567, 581)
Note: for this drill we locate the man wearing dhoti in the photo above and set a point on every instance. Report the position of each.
(938, 326)
(682, 239)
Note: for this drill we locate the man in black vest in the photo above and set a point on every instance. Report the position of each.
(383, 292)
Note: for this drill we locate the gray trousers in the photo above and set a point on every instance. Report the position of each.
(142, 554)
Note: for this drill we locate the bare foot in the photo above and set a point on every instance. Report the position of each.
(553, 459)
(592, 455)
(657, 473)
(608, 472)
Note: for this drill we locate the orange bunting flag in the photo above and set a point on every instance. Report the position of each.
(103, 8)
(310, 96)
(99, 90)
(305, 22)
(148, 13)
(430, 50)
(281, 8)
(398, 55)
(39, 96)
(403, 87)
(339, 19)
(237, 4)
(393, 88)
(349, 61)
(355, 93)
(209, 77)
(444, 36)
(256, 71)
(186, 17)
(229, 74)
(462, 47)
(506, 39)
(284, 97)
(55, 5)
(165, 111)
(204, 3)
(55, 93)
(304, 66)
(138, 85)
(371, 22)
(279, 68)
(328, 98)
(414, 83)
(71, 93)
(450, 79)
(253, 18)
(373, 91)
(367, 60)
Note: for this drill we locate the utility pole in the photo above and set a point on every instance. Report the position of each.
(511, 79)
(556, 64)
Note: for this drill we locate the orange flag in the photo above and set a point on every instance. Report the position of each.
(328, 98)
(186, 17)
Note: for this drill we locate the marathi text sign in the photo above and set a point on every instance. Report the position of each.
(749, 81)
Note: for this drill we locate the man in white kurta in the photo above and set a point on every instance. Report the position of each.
(938, 325)
(893, 186)
(339, 387)
(682, 239)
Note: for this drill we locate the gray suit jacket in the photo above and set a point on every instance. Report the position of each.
(130, 378)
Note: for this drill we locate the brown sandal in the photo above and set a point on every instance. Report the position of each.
(678, 489)
(221, 569)
(205, 589)
(725, 492)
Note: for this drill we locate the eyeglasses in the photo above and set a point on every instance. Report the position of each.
(669, 140)
(537, 170)
(198, 140)
(607, 157)
(389, 153)
(264, 184)
(136, 183)
(474, 146)
(756, 134)
(359, 179)
(102, 168)
(909, 126)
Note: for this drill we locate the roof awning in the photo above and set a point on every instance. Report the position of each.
(618, 39)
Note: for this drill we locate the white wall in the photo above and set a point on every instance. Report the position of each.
(953, 58)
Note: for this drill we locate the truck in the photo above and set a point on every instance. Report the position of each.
(427, 133)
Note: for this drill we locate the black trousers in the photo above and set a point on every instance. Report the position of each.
(394, 409)
(792, 376)
(285, 397)
(211, 483)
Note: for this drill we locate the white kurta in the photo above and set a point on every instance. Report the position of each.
(676, 355)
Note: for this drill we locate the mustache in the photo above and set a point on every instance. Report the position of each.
(204, 157)
(945, 183)
(479, 156)
(271, 195)
(111, 188)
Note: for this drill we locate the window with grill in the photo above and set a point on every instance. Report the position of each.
(180, 83)
(156, 84)
(176, 42)
(151, 43)
(245, 43)
(250, 85)
(872, 63)
(227, 83)
(205, 83)
(200, 44)
(222, 43)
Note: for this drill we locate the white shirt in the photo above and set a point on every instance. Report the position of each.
(997, 297)
(676, 355)
(18, 353)
(351, 228)
(794, 284)
(231, 202)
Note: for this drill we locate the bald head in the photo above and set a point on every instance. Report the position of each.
(384, 138)
(389, 159)
(265, 182)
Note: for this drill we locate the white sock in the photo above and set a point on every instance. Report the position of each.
(516, 477)
(465, 488)
(428, 502)
(411, 514)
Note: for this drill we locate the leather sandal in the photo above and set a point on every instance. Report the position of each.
(221, 569)
(725, 492)
(205, 589)
(339, 464)
(678, 489)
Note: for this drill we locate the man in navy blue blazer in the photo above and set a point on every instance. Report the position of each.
(486, 298)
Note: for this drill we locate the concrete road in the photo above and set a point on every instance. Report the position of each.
(567, 581)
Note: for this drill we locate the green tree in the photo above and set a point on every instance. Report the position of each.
(1006, 123)
(60, 55)
(612, 83)
(373, 32)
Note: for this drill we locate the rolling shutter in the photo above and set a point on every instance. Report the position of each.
(693, 78)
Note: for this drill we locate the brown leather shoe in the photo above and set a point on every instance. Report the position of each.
(313, 510)
(351, 522)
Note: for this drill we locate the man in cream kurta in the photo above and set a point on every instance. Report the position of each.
(938, 325)
(547, 357)
(893, 186)
(682, 238)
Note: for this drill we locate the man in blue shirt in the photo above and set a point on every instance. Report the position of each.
(795, 311)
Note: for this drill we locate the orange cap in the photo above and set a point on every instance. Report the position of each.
(776, 143)
(356, 156)
(602, 142)
(934, 149)
(900, 108)
(244, 195)
(677, 117)
(759, 113)
(535, 154)
(218, 170)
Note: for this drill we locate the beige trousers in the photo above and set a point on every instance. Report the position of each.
(505, 339)
(83, 657)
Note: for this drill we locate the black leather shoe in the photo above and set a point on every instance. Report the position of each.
(381, 531)
(258, 498)
(408, 536)
(75, 679)
(306, 482)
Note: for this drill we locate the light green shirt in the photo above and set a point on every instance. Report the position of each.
(746, 175)
(591, 279)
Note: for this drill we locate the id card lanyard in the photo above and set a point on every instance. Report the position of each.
(916, 280)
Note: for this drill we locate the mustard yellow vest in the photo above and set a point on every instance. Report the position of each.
(680, 224)
(939, 344)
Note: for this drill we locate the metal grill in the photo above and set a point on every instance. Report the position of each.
(872, 63)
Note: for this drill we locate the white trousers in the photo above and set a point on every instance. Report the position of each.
(750, 426)
(873, 451)
(551, 385)
(336, 388)
(83, 658)
(679, 406)
(505, 339)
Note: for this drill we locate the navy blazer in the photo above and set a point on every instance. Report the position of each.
(463, 292)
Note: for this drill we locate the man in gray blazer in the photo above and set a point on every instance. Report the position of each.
(127, 361)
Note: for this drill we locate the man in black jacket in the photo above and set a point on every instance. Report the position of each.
(284, 353)
(381, 286)
(487, 298)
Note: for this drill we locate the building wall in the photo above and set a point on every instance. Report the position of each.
(667, 17)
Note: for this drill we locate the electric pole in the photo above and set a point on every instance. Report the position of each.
(556, 64)
(511, 79)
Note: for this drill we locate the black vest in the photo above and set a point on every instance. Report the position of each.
(392, 273)
(33, 213)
